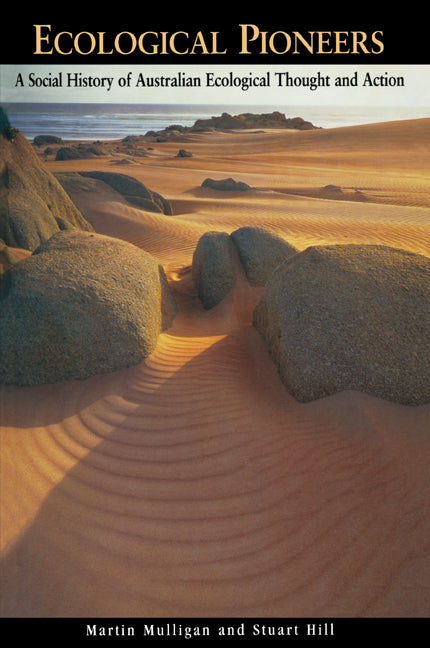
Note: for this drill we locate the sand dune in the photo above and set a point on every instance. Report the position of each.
(193, 484)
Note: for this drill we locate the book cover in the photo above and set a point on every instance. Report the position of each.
(214, 318)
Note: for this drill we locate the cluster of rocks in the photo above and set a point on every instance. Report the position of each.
(250, 120)
(62, 150)
(137, 145)
(80, 151)
(258, 250)
(76, 303)
(50, 146)
(165, 134)
(234, 122)
(333, 318)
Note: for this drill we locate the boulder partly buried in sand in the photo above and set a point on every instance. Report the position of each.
(225, 184)
(33, 205)
(42, 140)
(78, 152)
(212, 268)
(350, 317)
(260, 252)
(132, 190)
(81, 304)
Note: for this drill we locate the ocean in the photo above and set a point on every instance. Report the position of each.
(96, 121)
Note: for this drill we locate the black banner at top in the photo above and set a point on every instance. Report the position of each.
(146, 39)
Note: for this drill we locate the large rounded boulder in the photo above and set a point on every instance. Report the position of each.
(260, 252)
(212, 268)
(350, 317)
(81, 304)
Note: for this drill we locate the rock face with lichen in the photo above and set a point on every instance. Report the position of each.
(347, 317)
(81, 304)
(33, 205)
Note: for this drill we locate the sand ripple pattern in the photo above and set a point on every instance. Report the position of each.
(190, 485)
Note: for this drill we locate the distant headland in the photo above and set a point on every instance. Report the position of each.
(226, 121)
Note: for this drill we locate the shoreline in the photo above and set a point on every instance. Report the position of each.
(134, 118)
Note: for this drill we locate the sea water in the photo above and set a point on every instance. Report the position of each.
(106, 121)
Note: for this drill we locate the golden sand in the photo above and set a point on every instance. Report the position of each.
(193, 484)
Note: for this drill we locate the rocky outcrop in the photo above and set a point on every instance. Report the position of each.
(81, 304)
(250, 120)
(260, 252)
(226, 184)
(350, 317)
(70, 153)
(234, 122)
(78, 152)
(167, 133)
(212, 268)
(33, 205)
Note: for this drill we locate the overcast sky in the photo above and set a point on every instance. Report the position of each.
(415, 92)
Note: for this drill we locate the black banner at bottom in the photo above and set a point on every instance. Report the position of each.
(168, 632)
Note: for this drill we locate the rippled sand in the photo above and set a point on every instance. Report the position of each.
(193, 484)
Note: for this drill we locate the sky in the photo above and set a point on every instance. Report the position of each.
(125, 88)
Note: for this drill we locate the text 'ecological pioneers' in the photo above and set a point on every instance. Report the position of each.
(244, 39)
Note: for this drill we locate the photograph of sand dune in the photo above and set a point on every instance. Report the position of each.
(214, 342)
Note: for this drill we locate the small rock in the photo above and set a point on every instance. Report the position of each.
(40, 140)
(227, 184)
